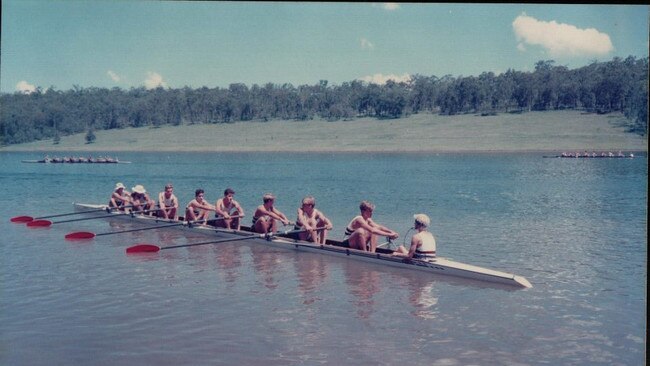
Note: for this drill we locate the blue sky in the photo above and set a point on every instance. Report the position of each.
(128, 44)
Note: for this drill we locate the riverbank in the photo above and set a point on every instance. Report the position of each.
(536, 131)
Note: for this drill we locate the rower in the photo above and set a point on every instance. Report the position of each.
(168, 203)
(120, 197)
(423, 244)
(309, 219)
(225, 208)
(266, 216)
(363, 231)
(141, 201)
(198, 208)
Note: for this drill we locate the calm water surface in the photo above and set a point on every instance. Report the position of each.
(575, 228)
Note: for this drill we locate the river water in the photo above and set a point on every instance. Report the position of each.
(575, 228)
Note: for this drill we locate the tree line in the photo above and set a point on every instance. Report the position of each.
(619, 85)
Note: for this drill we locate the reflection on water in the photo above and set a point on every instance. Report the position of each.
(363, 283)
(266, 262)
(312, 272)
(421, 295)
(229, 260)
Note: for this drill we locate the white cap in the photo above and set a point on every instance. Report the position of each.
(139, 189)
(119, 185)
(422, 219)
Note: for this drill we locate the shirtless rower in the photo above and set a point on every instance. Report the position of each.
(226, 207)
(363, 231)
(168, 203)
(423, 244)
(266, 216)
(120, 197)
(310, 219)
(198, 208)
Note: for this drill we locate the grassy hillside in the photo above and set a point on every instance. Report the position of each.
(535, 131)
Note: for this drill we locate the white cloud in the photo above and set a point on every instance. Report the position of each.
(560, 39)
(366, 44)
(25, 87)
(382, 79)
(390, 6)
(154, 80)
(115, 77)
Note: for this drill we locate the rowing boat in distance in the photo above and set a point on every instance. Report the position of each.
(77, 161)
(591, 156)
(382, 256)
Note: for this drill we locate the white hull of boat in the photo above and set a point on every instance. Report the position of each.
(439, 266)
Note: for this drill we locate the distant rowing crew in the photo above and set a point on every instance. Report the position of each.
(593, 154)
(79, 159)
(361, 233)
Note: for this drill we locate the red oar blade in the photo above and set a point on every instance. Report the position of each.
(22, 219)
(80, 235)
(143, 248)
(39, 223)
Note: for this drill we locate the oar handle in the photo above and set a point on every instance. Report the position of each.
(132, 213)
(269, 236)
(231, 217)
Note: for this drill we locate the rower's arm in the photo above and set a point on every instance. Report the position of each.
(379, 229)
(239, 208)
(218, 210)
(414, 245)
(278, 215)
(328, 223)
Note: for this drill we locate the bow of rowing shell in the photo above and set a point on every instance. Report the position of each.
(382, 256)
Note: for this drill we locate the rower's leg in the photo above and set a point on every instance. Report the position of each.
(358, 239)
(373, 243)
(205, 215)
(224, 223)
(321, 234)
(261, 226)
(162, 213)
(308, 236)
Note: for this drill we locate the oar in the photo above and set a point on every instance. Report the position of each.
(89, 235)
(149, 248)
(46, 223)
(389, 242)
(25, 219)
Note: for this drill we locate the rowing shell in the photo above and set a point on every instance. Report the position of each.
(75, 162)
(382, 256)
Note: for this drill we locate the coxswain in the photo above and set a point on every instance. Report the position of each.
(423, 244)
